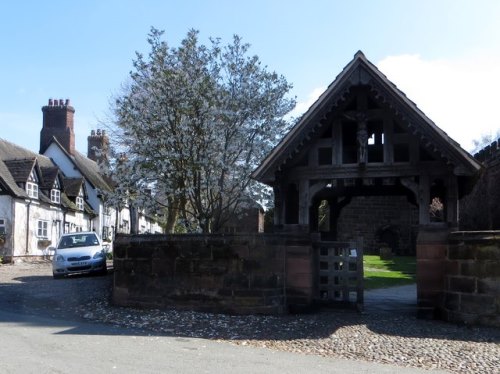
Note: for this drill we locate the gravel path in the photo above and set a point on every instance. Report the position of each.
(376, 336)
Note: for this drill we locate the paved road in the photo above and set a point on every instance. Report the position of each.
(402, 299)
(49, 326)
(39, 345)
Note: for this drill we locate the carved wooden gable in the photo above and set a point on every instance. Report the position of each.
(364, 126)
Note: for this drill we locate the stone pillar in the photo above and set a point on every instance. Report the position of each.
(432, 246)
(300, 272)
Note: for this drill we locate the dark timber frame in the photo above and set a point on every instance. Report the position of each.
(364, 137)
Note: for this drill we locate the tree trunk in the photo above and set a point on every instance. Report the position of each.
(172, 215)
(134, 219)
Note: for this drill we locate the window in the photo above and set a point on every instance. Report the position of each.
(375, 141)
(124, 226)
(32, 190)
(79, 200)
(106, 233)
(2, 226)
(79, 203)
(55, 196)
(43, 229)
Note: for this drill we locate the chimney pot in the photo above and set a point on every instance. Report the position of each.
(58, 123)
(67, 102)
(92, 132)
(98, 131)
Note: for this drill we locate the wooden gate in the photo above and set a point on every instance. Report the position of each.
(340, 273)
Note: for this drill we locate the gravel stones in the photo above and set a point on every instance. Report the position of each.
(383, 337)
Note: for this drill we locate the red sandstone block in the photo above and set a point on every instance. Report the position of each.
(462, 284)
(303, 280)
(426, 297)
(478, 304)
(452, 268)
(431, 251)
(298, 265)
(489, 286)
(430, 269)
(304, 250)
(451, 301)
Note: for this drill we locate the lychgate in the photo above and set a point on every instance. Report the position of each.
(364, 163)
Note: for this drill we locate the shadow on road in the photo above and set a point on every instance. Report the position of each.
(81, 305)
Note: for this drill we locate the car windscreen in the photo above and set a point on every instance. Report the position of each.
(78, 240)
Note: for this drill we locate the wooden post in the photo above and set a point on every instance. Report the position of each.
(452, 201)
(423, 200)
(304, 202)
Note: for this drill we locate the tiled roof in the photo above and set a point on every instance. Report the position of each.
(72, 186)
(67, 203)
(88, 168)
(9, 182)
(49, 176)
(20, 169)
(16, 164)
(11, 151)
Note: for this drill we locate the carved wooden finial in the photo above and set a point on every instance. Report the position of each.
(359, 54)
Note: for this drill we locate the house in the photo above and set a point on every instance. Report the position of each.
(57, 190)
(37, 202)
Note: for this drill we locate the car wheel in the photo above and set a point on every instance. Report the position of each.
(57, 276)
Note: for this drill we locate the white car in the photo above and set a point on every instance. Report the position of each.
(79, 252)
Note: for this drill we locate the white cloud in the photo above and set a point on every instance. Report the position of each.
(302, 106)
(459, 95)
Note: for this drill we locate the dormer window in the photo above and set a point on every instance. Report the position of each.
(55, 192)
(32, 190)
(32, 185)
(79, 200)
(55, 196)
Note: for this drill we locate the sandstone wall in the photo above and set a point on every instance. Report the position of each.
(472, 280)
(219, 273)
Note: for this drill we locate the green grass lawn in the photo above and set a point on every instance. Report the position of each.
(379, 273)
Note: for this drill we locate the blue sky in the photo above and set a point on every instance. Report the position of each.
(445, 55)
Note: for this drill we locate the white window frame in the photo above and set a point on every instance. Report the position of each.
(79, 203)
(55, 196)
(125, 226)
(42, 230)
(79, 200)
(3, 226)
(32, 190)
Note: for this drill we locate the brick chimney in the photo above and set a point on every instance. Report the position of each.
(98, 146)
(58, 123)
